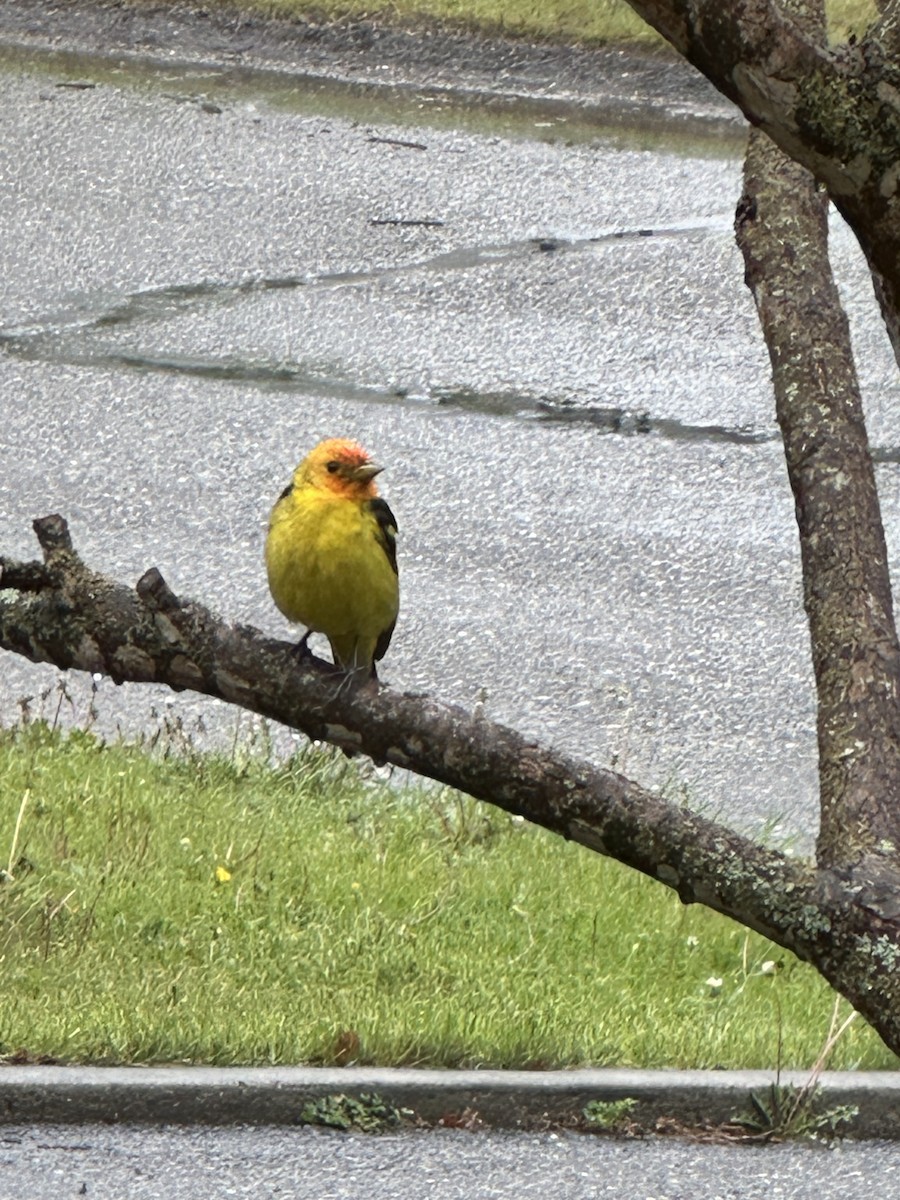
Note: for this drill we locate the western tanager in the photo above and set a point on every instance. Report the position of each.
(331, 554)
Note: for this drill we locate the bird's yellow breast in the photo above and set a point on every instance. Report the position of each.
(327, 567)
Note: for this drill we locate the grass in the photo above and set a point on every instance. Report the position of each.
(581, 21)
(158, 907)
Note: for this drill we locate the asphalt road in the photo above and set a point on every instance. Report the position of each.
(539, 328)
(108, 1163)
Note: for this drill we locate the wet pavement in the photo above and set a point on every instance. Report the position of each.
(536, 321)
(177, 1164)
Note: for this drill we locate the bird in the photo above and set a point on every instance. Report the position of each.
(331, 555)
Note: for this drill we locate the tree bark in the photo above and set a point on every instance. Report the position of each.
(782, 230)
(886, 30)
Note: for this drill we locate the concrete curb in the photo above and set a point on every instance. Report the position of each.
(502, 1099)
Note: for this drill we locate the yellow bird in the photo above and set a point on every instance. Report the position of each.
(331, 554)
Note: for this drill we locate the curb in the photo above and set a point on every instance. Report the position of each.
(502, 1099)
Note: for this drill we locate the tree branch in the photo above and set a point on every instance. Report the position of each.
(749, 49)
(81, 620)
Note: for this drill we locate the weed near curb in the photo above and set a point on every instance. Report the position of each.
(608, 1116)
(787, 1112)
(366, 1113)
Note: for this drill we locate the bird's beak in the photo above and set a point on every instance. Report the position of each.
(366, 472)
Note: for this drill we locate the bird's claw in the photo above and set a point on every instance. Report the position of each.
(302, 651)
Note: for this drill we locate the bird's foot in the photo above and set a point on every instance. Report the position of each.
(356, 679)
(302, 651)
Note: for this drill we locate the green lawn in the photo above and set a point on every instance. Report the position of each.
(197, 909)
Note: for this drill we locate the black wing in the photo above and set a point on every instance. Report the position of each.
(387, 538)
(387, 529)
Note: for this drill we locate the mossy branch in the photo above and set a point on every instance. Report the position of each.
(782, 231)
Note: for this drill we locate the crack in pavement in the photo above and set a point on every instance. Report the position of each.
(162, 303)
(64, 337)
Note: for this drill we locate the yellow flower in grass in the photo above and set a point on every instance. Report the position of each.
(223, 875)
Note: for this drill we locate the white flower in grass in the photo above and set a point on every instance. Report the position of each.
(713, 982)
(769, 967)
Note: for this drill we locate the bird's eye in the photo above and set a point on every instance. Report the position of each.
(332, 467)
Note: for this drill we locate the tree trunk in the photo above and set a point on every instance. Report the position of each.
(782, 230)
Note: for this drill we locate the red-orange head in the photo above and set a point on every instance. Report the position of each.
(341, 466)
